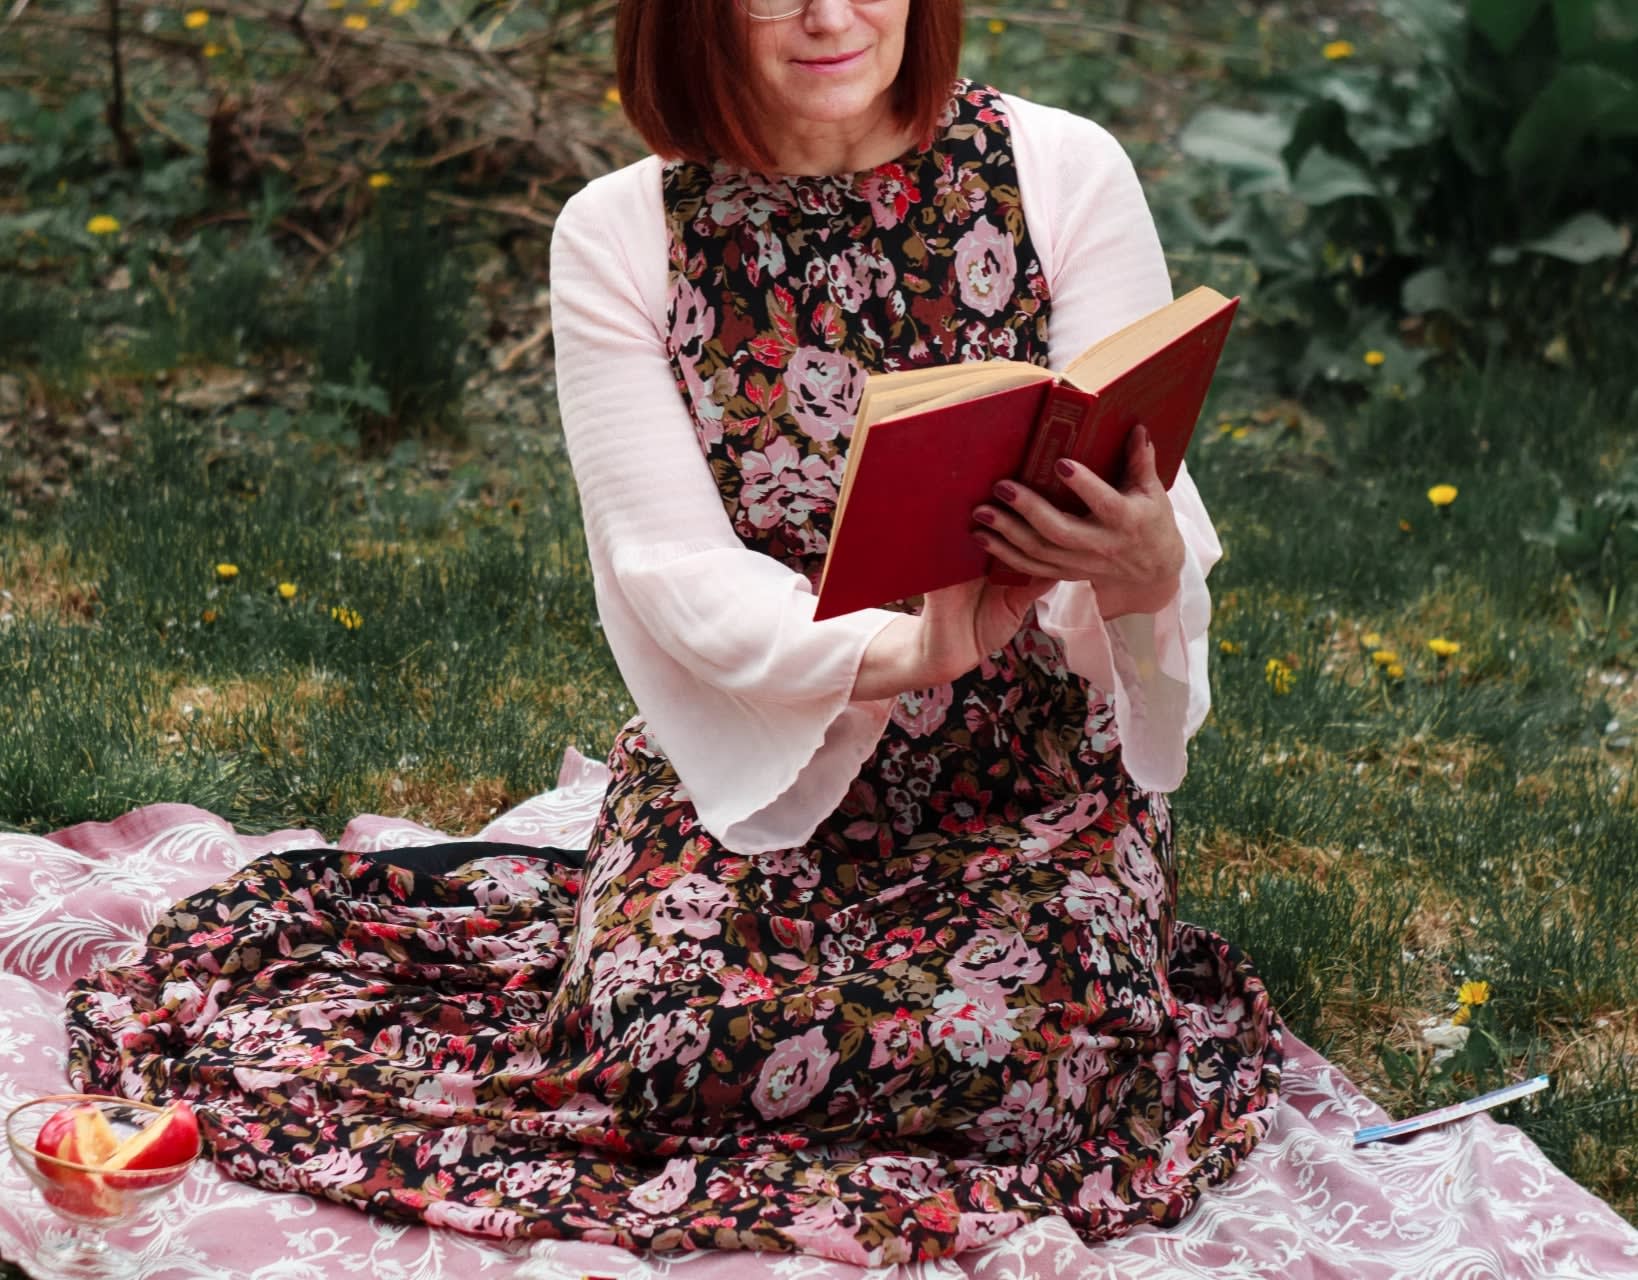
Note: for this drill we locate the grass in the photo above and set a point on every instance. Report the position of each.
(1374, 841)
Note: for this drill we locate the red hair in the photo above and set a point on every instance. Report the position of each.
(681, 70)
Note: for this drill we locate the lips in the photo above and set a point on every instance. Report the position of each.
(826, 64)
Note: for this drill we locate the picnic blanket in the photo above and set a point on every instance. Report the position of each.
(1476, 1199)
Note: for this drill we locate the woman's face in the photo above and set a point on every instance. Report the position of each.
(830, 69)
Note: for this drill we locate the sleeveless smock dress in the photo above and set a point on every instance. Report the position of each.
(963, 1004)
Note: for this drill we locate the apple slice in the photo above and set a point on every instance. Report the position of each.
(82, 1135)
(169, 1139)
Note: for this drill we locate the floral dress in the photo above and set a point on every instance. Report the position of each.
(963, 1004)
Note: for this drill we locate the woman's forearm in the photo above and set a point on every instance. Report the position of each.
(886, 670)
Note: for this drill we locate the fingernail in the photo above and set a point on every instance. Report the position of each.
(1006, 491)
(984, 515)
(1065, 468)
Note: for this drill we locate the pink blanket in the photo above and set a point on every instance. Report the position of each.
(1476, 1199)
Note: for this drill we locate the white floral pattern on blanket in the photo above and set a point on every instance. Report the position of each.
(1474, 1200)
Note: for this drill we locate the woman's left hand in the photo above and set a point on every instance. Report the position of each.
(1127, 546)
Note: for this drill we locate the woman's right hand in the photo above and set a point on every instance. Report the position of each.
(957, 628)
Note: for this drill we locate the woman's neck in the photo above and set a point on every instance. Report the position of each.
(836, 149)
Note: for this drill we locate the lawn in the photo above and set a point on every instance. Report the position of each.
(231, 575)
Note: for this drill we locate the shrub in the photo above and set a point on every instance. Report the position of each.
(1479, 183)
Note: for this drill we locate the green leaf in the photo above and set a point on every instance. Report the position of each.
(1247, 143)
(1587, 237)
(1324, 177)
(1579, 101)
(1428, 290)
(1503, 22)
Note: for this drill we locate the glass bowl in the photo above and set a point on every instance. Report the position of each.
(89, 1198)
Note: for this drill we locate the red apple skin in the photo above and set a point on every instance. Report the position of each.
(169, 1139)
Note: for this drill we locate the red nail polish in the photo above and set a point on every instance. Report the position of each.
(984, 516)
(1065, 468)
(1006, 491)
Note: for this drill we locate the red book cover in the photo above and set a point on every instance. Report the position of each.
(910, 493)
(909, 511)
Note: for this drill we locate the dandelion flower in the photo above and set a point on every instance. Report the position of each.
(287, 590)
(1442, 495)
(996, 26)
(227, 572)
(1279, 675)
(208, 616)
(212, 49)
(1228, 647)
(355, 22)
(1459, 1019)
(1444, 648)
(379, 180)
(103, 225)
(1472, 993)
(1375, 358)
(1395, 671)
(1371, 640)
(1337, 50)
(1239, 433)
(398, 8)
(611, 95)
(351, 619)
(193, 19)
(1384, 657)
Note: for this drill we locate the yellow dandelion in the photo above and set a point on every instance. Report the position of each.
(351, 619)
(1239, 433)
(379, 180)
(1279, 675)
(1228, 647)
(1461, 1017)
(287, 590)
(212, 49)
(398, 8)
(1395, 671)
(227, 572)
(1371, 640)
(1375, 358)
(611, 95)
(1337, 50)
(355, 22)
(103, 225)
(1384, 657)
(1442, 495)
(995, 26)
(193, 19)
(1472, 993)
(1444, 648)
(208, 616)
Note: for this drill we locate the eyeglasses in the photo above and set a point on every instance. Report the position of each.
(779, 10)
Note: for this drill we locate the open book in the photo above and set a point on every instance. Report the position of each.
(929, 445)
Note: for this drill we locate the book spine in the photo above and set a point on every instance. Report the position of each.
(1058, 431)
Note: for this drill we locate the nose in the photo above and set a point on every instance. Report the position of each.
(823, 16)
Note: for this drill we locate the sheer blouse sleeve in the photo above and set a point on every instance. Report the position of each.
(1091, 226)
(748, 696)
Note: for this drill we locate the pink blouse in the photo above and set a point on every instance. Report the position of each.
(749, 698)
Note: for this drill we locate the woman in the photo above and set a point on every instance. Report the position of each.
(872, 954)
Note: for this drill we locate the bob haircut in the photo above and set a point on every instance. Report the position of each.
(681, 71)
